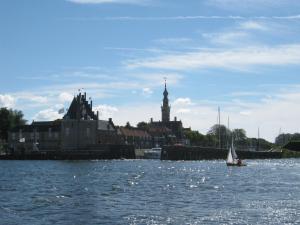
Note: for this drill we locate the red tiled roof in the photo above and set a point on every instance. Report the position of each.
(134, 132)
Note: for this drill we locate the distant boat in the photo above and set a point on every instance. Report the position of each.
(232, 158)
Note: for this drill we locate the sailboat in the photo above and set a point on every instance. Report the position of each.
(232, 158)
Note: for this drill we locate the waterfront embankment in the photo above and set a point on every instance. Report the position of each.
(106, 152)
(206, 153)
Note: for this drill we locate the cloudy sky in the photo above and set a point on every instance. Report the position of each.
(241, 55)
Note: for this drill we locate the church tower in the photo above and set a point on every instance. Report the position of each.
(165, 108)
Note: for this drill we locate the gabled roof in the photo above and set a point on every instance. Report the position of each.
(80, 109)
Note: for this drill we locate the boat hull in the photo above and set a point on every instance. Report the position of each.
(235, 164)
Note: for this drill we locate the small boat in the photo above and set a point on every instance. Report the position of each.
(232, 158)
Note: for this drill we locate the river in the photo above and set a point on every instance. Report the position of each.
(149, 192)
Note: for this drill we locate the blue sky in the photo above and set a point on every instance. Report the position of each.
(241, 55)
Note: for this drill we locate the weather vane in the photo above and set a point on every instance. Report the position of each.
(165, 78)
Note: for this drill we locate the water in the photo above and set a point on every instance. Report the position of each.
(149, 192)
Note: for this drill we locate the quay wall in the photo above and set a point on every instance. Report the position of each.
(101, 152)
(206, 153)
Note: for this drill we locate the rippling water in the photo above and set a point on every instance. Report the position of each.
(149, 192)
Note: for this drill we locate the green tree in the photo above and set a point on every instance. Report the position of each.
(8, 119)
(240, 138)
(195, 138)
(142, 125)
(283, 139)
(221, 134)
(128, 125)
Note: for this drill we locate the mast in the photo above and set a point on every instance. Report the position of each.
(227, 135)
(257, 139)
(219, 117)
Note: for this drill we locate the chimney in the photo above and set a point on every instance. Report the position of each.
(84, 95)
(91, 105)
(175, 118)
(151, 120)
(97, 115)
(110, 120)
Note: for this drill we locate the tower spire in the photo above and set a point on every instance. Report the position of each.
(165, 109)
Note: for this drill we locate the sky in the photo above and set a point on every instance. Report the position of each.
(241, 55)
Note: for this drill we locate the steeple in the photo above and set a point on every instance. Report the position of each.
(165, 108)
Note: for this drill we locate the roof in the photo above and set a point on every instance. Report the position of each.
(159, 131)
(133, 132)
(80, 108)
(39, 126)
(105, 125)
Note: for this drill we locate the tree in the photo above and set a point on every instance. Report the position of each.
(8, 119)
(221, 133)
(128, 125)
(142, 125)
(239, 137)
(283, 139)
(195, 138)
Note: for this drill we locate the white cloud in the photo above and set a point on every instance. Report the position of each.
(47, 115)
(147, 92)
(132, 18)
(167, 41)
(180, 102)
(269, 114)
(199, 17)
(183, 110)
(226, 38)
(157, 79)
(7, 101)
(32, 97)
(257, 5)
(65, 97)
(137, 2)
(252, 25)
(106, 111)
(229, 59)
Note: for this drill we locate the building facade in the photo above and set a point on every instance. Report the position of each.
(80, 129)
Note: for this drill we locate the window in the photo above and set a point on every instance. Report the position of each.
(13, 136)
(88, 132)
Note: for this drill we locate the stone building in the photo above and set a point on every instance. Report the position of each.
(80, 129)
(38, 135)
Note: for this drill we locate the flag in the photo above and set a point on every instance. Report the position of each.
(61, 111)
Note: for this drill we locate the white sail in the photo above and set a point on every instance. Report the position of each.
(229, 157)
(234, 155)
